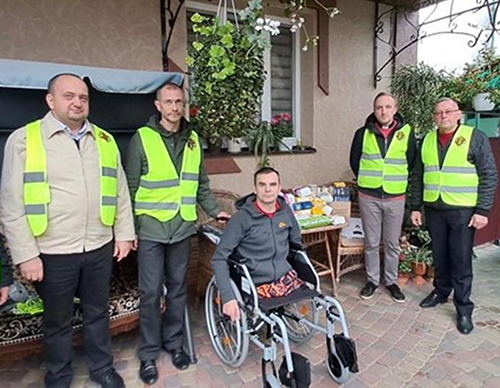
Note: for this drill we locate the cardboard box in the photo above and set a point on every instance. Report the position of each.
(341, 208)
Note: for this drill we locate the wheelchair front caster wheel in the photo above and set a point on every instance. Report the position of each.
(338, 372)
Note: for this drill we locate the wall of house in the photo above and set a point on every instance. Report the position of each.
(126, 34)
(123, 34)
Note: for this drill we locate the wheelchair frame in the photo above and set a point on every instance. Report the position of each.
(254, 316)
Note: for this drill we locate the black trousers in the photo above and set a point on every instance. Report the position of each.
(86, 275)
(452, 243)
(161, 263)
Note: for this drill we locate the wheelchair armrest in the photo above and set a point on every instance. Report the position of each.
(302, 265)
(241, 276)
(296, 246)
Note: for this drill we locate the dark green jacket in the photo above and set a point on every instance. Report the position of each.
(175, 230)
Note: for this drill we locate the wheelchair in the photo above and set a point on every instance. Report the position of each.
(294, 317)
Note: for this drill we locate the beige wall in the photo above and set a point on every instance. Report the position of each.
(123, 34)
(126, 34)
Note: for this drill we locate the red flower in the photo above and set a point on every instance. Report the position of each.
(193, 111)
(277, 117)
(286, 117)
(274, 121)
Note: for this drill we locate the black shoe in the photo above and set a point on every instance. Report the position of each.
(110, 379)
(179, 358)
(368, 290)
(148, 372)
(433, 299)
(396, 294)
(464, 324)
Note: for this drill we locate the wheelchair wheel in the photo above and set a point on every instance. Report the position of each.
(229, 339)
(337, 371)
(299, 332)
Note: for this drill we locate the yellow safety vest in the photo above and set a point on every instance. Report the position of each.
(390, 172)
(36, 185)
(456, 182)
(162, 193)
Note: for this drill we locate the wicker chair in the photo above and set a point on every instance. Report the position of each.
(206, 248)
(350, 252)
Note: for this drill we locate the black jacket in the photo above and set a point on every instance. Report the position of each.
(6, 277)
(262, 242)
(383, 144)
(481, 156)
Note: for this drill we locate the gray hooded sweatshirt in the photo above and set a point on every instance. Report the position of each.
(262, 242)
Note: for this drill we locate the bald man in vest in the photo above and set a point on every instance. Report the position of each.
(382, 156)
(455, 181)
(66, 212)
(166, 179)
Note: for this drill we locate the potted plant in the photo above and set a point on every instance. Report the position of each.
(417, 89)
(404, 273)
(262, 139)
(415, 248)
(227, 67)
(478, 86)
(283, 127)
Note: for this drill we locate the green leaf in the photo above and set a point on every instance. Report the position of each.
(197, 18)
(189, 61)
(217, 51)
(227, 41)
(198, 46)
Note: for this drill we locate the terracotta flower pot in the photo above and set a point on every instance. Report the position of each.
(419, 270)
(403, 279)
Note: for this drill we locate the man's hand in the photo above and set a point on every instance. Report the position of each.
(478, 221)
(32, 270)
(232, 310)
(4, 294)
(135, 244)
(416, 218)
(223, 217)
(122, 248)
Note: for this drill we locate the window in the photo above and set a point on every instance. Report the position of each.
(281, 89)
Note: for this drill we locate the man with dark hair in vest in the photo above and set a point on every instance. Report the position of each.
(166, 180)
(66, 212)
(455, 179)
(382, 156)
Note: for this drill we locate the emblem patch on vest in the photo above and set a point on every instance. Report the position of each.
(281, 224)
(400, 135)
(104, 137)
(460, 140)
(191, 144)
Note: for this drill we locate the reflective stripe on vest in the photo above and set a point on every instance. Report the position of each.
(36, 185)
(162, 193)
(456, 182)
(391, 172)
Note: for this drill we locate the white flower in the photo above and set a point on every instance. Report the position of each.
(304, 48)
(275, 23)
(260, 21)
(294, 28)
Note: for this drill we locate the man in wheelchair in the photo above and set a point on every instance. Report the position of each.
(264, 279)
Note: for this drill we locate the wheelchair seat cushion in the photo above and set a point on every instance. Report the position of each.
(302, 293)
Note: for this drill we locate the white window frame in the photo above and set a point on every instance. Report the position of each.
(192, 6)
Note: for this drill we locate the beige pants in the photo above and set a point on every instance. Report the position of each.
(382, 220)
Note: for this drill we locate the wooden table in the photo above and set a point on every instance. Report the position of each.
(321, 235)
